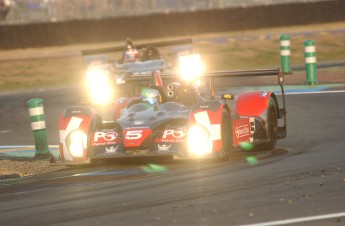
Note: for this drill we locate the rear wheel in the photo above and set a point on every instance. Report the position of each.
(226, 134)
(272, 127)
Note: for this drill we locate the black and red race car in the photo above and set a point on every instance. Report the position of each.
(161, 114)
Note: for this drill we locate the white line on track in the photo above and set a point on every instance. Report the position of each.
(299, 220)
(25, 146)
(304, 92)
(315, 92)
(17, 146)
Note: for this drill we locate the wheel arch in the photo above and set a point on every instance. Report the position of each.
(77, 118)
(253, 104)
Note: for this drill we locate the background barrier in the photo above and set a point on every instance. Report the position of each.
(167, 25)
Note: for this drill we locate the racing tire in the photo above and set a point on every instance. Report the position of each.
(226, 135)
(95, 123)
(272, 127)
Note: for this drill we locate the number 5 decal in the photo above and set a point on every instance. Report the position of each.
(134, 134)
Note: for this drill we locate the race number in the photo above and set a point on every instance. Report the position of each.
(134, 134)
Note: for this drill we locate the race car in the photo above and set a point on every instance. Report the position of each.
(164, 114)
(102, 66)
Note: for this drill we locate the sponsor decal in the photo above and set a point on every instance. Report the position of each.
(163, 147)
(111, 150)
(263, 94)
(179, 133)
(138, 123)
(105, 138)
(172, 135)
(242, 131)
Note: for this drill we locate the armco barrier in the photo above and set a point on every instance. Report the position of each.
(168, 25)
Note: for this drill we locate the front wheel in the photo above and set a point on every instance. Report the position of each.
(96, 123)
(226, 134)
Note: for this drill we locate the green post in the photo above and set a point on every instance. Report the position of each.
(38, 126)
(310, 62)
(285, 53)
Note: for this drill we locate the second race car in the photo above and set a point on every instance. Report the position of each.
(103, 66)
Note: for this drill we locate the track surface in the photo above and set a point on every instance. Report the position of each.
(304, 176)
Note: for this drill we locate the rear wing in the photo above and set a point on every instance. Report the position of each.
(245, 73)
(184, 41)
(106, 55)
(220, 74)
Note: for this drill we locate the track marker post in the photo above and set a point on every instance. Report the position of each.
(38, 127)
(310, 62)
(285, 52)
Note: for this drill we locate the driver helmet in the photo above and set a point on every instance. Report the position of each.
(151, 95)
(131, 55)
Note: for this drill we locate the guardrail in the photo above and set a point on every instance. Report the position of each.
(34, 11)
(169, 25)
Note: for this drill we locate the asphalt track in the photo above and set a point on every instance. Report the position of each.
(301, 182)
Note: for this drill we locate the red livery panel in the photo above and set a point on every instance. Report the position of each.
(252, 103)
(243, 130)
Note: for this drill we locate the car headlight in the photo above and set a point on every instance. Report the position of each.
(100, 86)
(199, 141)
(190, 66)
(76, 142)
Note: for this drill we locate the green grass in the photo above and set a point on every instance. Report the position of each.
(24, 72)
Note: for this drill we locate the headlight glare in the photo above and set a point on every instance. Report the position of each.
(199, 141)
(190, 66)
(100, 86)
(76, 143)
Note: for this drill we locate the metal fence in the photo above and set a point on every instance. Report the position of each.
(35, 11)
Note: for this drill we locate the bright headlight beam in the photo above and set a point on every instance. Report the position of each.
(76, 143)
(199, 141)
(190, 66)
(99, 86)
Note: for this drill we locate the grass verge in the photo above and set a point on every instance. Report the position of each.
(60, 66)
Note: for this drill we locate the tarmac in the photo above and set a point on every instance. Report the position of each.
(24, 152)
(28, 152)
